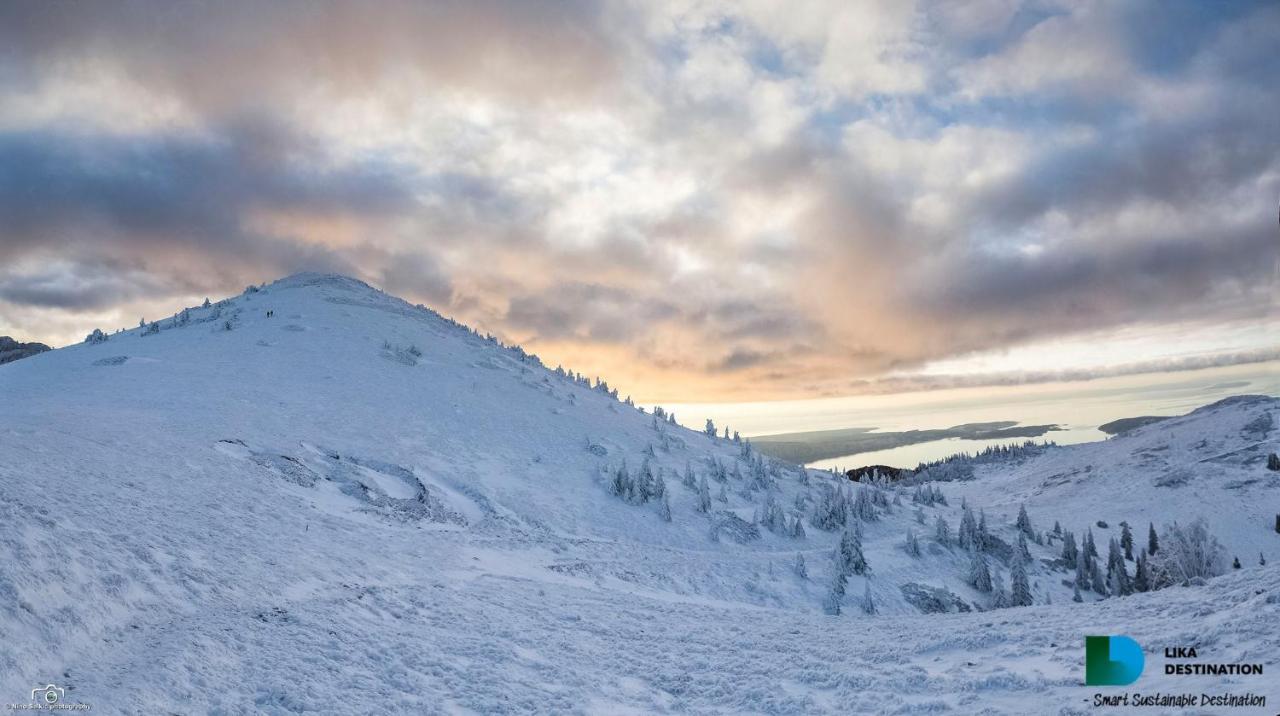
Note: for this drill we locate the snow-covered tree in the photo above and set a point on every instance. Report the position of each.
(831, 511)
(1126, 540)
(1186, 553)
(710, 429)
(1117, 574)
(622, 484)
(942, 531)
(979, 573)
(1089, 550)
(1082, 572)
(704, 495)
(868, 605)
(96, 337)
(1075, 594)
(863, 509)
(849, 553)
(797, 528)
(799, 567)
(912, 544)
(1069, 551)
(1024, 522)
(835, 593)
(1141, 575)
(968, 534)
(1153, 543)
(1096, 581)
(1024, 553)
(1020, 588)
(664, 506)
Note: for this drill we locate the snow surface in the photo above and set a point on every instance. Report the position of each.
(303, 514)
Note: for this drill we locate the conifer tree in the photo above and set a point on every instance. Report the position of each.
(835, 593)
(1024, 553)
(1097, 581)
(1141, 578)
(1153, 544)
(1126, 540)
(1021, 589)
(968, 535)
(1235, 563)
(1024, 522)
(942, 531)
(850, 553)
(704, 496)
(913, 544)
(1117, 573)
(1082, 572)
(799, 567)
(1089, 550)
(1075, 594)
(1069, 551)
(979, 573)
(868, 606)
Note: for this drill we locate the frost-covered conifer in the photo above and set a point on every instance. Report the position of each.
(913, 544)
(704, 495)
(1020, 595)
(849, 553)
(1069, 552)
(1024, 522)
(942, 531)
(979, 573)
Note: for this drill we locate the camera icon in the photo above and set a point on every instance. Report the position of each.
(49, 695)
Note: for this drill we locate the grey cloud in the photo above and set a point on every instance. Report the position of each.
(222, 56)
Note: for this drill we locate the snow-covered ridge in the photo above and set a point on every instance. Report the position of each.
(314, 491)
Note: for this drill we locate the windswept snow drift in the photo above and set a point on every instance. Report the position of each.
(355, 505)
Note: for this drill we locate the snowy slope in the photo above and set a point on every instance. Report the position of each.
(355, 504)
(1209, 463)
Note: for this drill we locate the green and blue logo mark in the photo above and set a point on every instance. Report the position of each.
(1112, 660)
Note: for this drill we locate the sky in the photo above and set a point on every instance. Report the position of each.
(699, 201)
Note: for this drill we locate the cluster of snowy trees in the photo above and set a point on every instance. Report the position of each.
(1179, 555)
(959, 467)
(836, 506)
(641, 488)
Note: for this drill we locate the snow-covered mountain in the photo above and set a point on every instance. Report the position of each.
(317, 497)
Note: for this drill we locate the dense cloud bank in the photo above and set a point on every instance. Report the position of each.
(754, 200)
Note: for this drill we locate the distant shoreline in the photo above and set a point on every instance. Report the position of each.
(808, 447)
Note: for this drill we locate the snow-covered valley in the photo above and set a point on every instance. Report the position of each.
(354, 505)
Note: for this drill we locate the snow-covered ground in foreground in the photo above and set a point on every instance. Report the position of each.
(301, 514)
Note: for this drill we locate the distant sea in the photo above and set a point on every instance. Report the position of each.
(1078, 408)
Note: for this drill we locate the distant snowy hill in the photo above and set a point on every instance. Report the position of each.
(315, 497)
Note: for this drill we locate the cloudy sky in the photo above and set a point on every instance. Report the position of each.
(697, 200)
